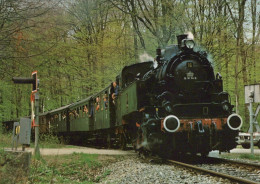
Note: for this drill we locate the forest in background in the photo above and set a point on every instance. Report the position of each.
(79, 46)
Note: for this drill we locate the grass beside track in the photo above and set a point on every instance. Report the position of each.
(46, 141)
(241, 156)
(77, 168)
(74, 168)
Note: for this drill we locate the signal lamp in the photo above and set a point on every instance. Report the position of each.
(34, 83)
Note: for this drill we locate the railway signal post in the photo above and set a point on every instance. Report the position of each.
(251, 129)
(252, 95)
(34, 96)
(37, 150)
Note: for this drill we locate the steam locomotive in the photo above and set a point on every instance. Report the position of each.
(174, 104)
(184, 106)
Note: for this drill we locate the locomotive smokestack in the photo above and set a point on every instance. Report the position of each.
(180, 38)
(159, 56)
(158, 52)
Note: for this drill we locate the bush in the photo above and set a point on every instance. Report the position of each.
(5, 140)
(250, 157)
(49, 141)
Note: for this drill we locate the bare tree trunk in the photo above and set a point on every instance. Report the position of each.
(135, 47)
(135, 22)
(239, 45)
(225, 52)
(243, 53)
(253, 12)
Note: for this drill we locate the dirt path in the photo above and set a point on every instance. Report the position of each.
(65, 151)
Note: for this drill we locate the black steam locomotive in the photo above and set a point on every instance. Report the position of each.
(184, 107)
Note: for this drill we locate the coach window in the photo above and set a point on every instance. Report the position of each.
(63, 115)
(56, 117)
(91, 103)
(71, 114)
(85, 109)
(105, 99)
(101, 102)
(97, 104)
(82, 111)
(78, 112)
(74, 113)
(53, 119)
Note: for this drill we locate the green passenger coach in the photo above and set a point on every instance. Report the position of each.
(100, 117)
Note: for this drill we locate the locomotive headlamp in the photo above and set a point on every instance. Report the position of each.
(234, 122)
(189, 43)
(171, 123)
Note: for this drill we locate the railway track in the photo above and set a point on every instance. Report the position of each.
(255, 165)
(236, 171)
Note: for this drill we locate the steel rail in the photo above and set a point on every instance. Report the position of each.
(233, 178)
(236, 162)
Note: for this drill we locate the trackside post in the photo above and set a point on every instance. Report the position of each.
(252, 95)
(251, 129)
(37, 150)
(34, 96)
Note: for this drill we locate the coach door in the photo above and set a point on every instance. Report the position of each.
(105, 110)
(67, 120)
(91, 114)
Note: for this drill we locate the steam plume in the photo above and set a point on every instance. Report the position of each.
(145, 57)
(190, 35)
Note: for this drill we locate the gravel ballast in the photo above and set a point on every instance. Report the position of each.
(134, 170)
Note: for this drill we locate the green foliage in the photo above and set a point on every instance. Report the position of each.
(75, 168)
(104, 175)
(250, 157)
(50, 141)
(4, 157)
(13, 166)
(5, 140)
(12, 98)
(45, 141)
(241, 156)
